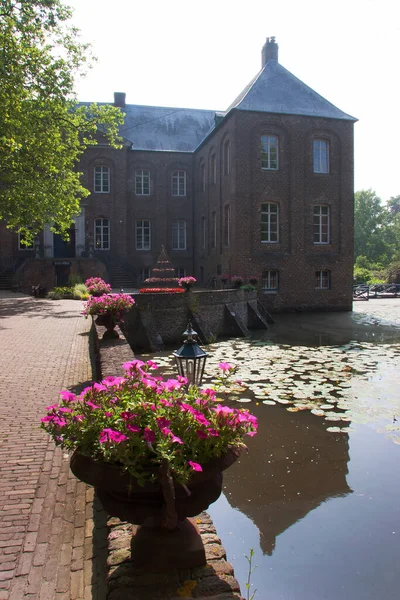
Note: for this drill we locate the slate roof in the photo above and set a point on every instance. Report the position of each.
(275, 90)
(161, 128)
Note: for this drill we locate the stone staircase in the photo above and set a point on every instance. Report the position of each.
(120, 278)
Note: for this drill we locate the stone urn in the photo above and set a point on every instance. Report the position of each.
(167, 538)
(108, 321)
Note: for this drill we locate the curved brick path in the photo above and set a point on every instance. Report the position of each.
(47, 546)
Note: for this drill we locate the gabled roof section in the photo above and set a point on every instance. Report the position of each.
(275, 90)
(162, 128)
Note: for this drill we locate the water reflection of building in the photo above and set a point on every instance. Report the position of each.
(293, 466)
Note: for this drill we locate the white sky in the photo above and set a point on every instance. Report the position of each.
(201, 54)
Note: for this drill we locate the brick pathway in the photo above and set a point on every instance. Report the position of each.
(52, 535)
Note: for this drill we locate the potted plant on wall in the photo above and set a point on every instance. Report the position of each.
(237, 281)
(153, 449)
(97, 286)
(109, 309)
(187, 282)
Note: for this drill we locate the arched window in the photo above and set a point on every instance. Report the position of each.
(227, 157)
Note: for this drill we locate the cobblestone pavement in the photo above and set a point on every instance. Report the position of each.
(52, 534)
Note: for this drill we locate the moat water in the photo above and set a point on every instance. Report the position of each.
(318, 494)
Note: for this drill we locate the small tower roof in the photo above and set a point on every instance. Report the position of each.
(275, 90)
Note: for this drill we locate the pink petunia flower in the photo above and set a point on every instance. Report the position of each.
(91, 405)
(149, 435)
(67, 396)
(224, 366)
(195, 466)
(110, 435)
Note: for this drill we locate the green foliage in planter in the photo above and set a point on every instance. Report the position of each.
(80, 292)
(248, 287)
(58, 293)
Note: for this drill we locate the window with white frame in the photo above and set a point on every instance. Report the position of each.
(269, 152)
(143, 234)
(179, 183)
(179, 235)
(203, 233)
(227, 225)
(143, 273)
(322, 280)
(213, 168)
(180, 272)
(227, 157)
(142, 182)
(270, 280)
(269, 223)
(213, 229)
(321, 224)
(203, 177)
(102, 234)
(21, 244)
(101, 179)
(320, 156)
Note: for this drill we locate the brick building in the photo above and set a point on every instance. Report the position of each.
(264, 188)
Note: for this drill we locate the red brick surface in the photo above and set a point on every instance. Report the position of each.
(52, 536)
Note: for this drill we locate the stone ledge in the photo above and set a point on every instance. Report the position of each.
(214, 581)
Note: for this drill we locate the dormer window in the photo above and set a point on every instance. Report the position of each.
(269, 152)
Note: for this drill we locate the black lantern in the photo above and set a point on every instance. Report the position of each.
(190, 358)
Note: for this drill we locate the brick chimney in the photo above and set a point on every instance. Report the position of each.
(269, 51)
(119, 99)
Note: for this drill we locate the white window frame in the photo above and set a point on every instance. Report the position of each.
(269, 229)
(227, 225)
(101, 179)
(102, 227)
(269, 153)
(270, 280)
(321, 225)
(143, 229)
(227, 157)
(142, 182)
(320, 156)
(213, 229)
(323, 280)
(180, 272)
(178, 183)
(179, 235)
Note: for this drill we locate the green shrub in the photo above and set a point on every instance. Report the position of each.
(248, 287)
(80, 291)
(60, 292)
(74, 280)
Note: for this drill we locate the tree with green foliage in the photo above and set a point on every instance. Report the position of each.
(370, 227)
(43, 130)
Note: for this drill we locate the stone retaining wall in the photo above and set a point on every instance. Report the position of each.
(160, 319)
(214, 581)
